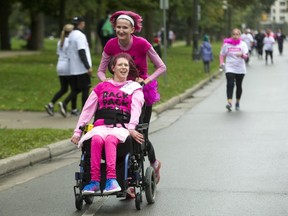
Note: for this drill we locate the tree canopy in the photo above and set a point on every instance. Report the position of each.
(43, 17)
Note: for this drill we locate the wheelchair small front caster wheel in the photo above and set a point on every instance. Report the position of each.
(78, 202)
(138, 201)
(89, 199)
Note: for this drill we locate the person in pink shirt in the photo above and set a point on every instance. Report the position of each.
(126, 23)
(106, 101)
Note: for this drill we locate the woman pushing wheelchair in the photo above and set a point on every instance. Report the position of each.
(117, 105)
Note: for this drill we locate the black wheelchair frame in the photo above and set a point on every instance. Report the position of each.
(129, 169)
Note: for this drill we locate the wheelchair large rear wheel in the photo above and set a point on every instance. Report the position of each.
(150, 188)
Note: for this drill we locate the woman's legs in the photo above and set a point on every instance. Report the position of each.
(111, 143)
(266, 56)
(230, 78)
(97, 144)
(71, 97)
(239, 79)
(268, 53)
(271, 56)
(64, 83)
(156, 164)
(150, 148)
(74, 99)
(111, 185)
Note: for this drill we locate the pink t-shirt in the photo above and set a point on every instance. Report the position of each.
(139, 48)
(91, 104)
(137, 51)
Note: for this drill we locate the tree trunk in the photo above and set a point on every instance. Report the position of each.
(149, 26)
(62, 6)
(189, 31)
(5, 11)
(88, 28)
(36, 40)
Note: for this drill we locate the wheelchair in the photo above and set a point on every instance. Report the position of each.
(129, 170)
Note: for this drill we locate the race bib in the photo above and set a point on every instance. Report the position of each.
(130, 87)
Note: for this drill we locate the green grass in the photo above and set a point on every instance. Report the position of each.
(19, 141)
(29, 82)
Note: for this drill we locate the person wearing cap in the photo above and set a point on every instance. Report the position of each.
(126, 23)
(80, 64)
(62, 69)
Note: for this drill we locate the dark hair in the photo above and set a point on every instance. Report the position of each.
(133, 71)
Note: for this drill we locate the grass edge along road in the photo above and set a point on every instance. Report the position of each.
(39, 72)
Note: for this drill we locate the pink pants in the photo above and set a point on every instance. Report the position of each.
(110, 145)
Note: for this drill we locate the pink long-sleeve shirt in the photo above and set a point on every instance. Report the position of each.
(91, 105)
(139, 48)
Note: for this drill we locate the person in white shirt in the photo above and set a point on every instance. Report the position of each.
(269, 42)
(63, 69)
(234, 51)
(80, 64)
(249, 40)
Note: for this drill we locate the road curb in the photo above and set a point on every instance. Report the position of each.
(8, 165)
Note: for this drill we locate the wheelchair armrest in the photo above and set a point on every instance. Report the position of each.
(142, 127)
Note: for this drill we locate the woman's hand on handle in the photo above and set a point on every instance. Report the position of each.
(138, 137)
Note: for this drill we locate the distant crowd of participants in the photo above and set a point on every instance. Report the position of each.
(258, 42)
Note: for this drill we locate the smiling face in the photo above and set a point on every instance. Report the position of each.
(124, 29)
(121, 70)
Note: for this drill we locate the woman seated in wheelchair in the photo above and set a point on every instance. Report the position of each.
(116, 95)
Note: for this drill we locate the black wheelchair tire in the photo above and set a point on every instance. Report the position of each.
(78, 202)
(138, 201)
(150, 188)
(89, 199)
